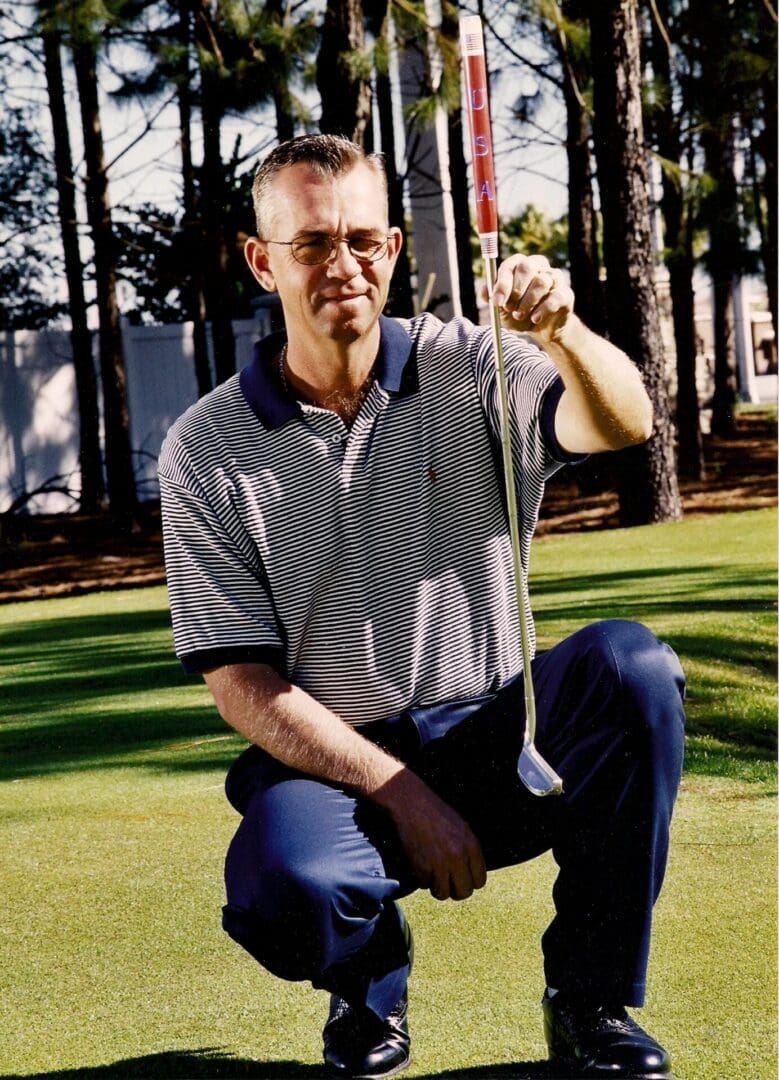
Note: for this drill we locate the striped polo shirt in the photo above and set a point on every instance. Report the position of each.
(371, 566)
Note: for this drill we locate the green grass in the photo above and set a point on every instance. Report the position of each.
(113, 827)
(707, 586)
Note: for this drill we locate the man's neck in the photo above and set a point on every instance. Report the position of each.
(328, 366)
(332, 374)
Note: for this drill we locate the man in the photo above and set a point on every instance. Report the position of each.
(339, 570)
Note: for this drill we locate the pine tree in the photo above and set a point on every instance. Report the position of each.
(648, 488)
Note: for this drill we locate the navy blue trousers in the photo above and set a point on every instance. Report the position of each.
(313, 873)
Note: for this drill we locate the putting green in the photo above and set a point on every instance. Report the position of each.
(113, 827)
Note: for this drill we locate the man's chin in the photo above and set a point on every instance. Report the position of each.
(348, 326)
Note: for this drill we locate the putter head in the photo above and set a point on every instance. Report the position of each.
(536, 774)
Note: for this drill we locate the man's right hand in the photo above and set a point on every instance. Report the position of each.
(293, 727)
(443, 852)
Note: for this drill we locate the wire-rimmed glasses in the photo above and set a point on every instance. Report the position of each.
(313, 249)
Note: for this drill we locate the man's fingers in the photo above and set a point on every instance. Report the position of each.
(530, 294)
(466, 873)
(478, 870)
(515, 276)
(441, 848)
(538, 289)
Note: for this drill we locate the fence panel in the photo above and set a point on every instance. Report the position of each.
(39, 430)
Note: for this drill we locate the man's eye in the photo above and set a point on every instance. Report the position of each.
(312, 245)
(364, 245)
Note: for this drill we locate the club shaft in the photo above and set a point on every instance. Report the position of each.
(477, 100)
(490, 270)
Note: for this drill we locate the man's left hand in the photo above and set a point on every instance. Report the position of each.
(532, 297)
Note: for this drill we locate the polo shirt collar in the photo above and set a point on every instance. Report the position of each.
(396, 372)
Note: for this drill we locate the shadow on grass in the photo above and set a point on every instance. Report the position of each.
(102, 690)
(94, 691)
(182, 1065)
(214, 1063)
(518, 1070)
(652, 593)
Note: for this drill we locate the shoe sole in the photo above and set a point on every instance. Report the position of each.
(575, 1070)
(332, 1071)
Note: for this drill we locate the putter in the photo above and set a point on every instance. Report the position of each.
(534, 772)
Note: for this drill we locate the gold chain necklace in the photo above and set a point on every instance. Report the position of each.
(347, 405)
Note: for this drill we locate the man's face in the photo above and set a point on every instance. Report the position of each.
(343, 297)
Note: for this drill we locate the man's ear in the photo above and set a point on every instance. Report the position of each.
(394, 243)
(256, 254)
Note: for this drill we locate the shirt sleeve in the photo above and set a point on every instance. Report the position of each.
(549, 405)
(534, 390)
(221, 607)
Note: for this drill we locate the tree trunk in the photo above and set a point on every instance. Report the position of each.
(461, 200)
(401, 298)
(285, 120)
(216, 279)
(458, 179)
(582, 239)
(116, 422)
(344, 92)
(90, 462)
(680, 262)
(724, 253)
(767, 147)
(716, 25)
(195, 300)
(648, 488)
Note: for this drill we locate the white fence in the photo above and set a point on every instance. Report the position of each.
(39, 429)
(39, 425)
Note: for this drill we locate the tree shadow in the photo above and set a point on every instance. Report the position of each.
(71, 693)
(664, 590)
(182, 1065)
(516, 1070)
(76, 689)
(211, 1063)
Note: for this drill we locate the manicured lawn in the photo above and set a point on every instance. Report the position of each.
(113, 827)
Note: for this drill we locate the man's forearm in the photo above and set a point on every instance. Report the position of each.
(605, 405)
(297, 730)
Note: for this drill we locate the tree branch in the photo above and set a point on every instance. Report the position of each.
(537, 69)
(662, 29)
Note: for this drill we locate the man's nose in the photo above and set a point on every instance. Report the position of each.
(341, 259)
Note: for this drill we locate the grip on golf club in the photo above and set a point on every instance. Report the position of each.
(478, 109)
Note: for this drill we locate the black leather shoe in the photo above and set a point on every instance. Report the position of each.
(358, 1044)
(590, 1041)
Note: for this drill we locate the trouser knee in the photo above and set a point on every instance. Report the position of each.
(610, 699)
(306, 889)
(643, 672)
(648, 669)
(283, 923)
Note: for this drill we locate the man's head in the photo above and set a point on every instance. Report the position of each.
(325, 155)
(324, 242)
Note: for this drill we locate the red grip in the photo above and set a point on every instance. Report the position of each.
(478, 108)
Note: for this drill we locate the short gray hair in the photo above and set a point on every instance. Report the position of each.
(328, 155)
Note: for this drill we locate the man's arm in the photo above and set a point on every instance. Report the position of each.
(299, 731)
(604, 405)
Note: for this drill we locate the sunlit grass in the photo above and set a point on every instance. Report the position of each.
(707, 586)
(113, 827)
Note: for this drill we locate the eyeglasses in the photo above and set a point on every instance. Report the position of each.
(313, 249)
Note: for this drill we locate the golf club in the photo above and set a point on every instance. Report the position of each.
(535, 773)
